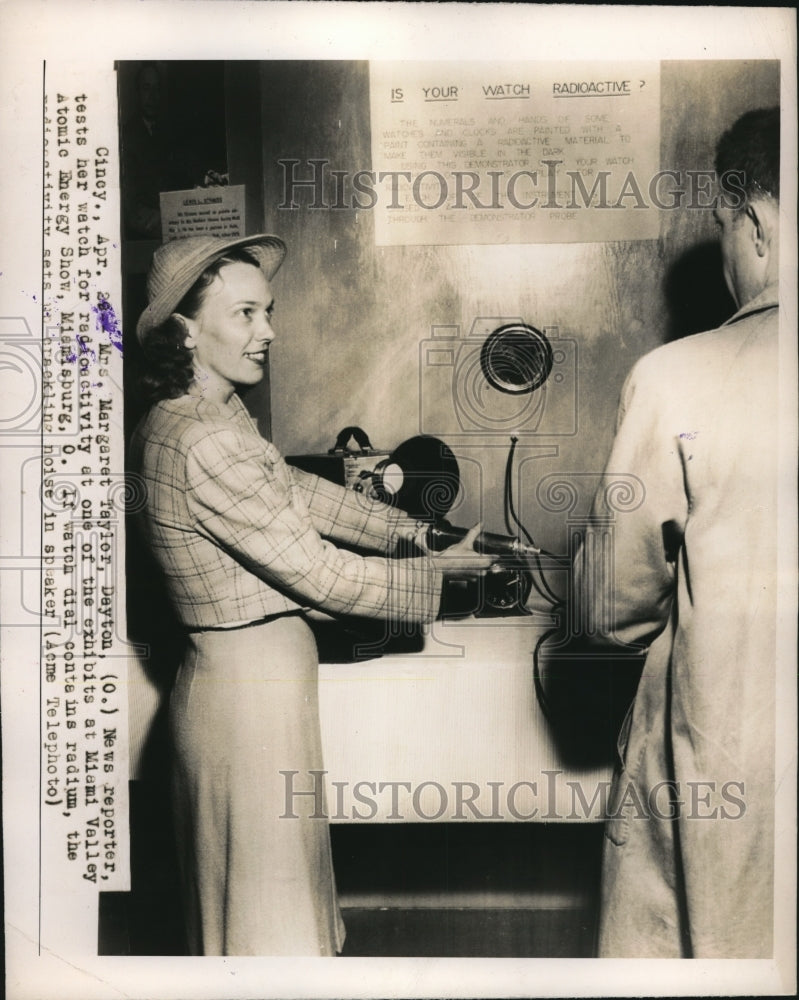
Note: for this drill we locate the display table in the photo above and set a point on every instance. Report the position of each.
(450, 733)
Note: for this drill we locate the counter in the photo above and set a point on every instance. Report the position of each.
(452, 732)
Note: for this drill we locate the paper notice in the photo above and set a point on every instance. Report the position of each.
(215, 211)
(467, 153)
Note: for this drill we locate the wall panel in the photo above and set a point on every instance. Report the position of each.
(352, 317)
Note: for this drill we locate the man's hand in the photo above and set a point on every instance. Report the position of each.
(461, 560)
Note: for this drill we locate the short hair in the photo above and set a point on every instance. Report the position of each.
(168, 365)
(751, 150)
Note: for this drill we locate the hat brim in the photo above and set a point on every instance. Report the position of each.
(269, 250)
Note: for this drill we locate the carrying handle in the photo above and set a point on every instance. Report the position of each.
(361, 439)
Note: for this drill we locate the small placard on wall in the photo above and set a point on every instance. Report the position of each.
(213, 211)
(557, 152)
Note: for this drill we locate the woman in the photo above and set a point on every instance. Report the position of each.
(238, 535)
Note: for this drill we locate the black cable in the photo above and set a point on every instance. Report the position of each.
(509, 508)
(553, 597)
(554, 601)
(537, 681)
(510, 514)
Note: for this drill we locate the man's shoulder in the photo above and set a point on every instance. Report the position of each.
(704, 353)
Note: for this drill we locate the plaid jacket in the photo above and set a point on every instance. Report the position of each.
(238, 534)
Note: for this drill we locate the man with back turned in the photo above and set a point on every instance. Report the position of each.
(689, 848)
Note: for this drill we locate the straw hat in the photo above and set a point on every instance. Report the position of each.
(179, 263)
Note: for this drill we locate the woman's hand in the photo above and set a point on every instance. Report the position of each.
(461, 560)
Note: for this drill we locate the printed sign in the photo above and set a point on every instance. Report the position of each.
(468, 153)
(214, 211)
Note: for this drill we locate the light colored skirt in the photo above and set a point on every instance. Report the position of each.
(256, 868)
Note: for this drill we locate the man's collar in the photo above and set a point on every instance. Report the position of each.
(767, 299)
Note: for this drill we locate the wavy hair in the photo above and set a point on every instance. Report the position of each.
(751, 148)
(168, 363)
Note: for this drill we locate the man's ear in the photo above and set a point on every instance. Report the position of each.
(760, 216)
(189, 327)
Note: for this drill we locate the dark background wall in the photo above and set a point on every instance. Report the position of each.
(352, 317)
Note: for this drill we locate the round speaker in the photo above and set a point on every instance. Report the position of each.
(421, 477)
(516, 358)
